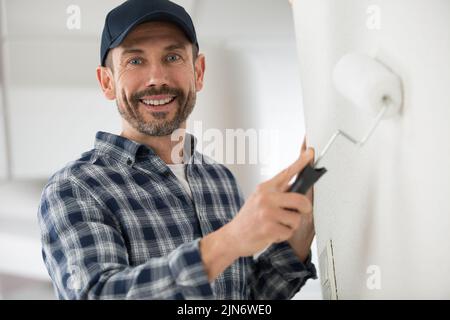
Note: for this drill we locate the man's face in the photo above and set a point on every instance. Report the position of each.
(155, 79)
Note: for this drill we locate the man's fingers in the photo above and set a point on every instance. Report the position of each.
(304, 149)
(282, 233)
(281, 180)
(292, 200)
(288, 219)
(303, 146)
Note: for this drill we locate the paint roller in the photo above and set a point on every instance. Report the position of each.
(368, 84)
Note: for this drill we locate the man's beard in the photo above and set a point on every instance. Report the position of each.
(160, 126)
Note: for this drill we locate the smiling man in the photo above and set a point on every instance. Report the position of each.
(132, 219)
(154, 79)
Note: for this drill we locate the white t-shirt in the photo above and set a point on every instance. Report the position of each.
(178, 170)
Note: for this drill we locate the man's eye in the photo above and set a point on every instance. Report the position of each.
(173, 58)
(135, 61)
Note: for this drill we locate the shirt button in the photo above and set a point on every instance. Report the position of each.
(129, 161)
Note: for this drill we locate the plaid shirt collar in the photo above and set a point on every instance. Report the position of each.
(131, 152)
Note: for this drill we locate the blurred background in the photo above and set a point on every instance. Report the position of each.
(51, 105)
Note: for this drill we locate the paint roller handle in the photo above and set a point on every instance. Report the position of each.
(306, 178)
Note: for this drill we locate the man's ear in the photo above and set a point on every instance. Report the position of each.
(199, 71)
(106, 79)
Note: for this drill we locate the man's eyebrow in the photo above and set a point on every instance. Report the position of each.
(175, 46)
(131, 50)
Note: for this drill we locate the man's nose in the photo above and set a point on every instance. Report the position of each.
(157, 75)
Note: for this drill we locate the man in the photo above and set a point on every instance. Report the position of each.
(134, 219)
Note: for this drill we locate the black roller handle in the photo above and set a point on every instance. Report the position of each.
(306, 178)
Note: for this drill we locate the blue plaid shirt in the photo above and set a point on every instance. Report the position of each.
(117, 224)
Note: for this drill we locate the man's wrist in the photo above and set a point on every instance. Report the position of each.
(217, 253)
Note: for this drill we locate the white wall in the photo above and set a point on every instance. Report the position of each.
(253, 85)
(3, 139)
(53, 100)
(3, 152)
(385, 205)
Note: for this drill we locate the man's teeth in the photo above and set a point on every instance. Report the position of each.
(158, 102)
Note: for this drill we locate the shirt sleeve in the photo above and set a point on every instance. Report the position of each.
(87, 258)
(278, 274)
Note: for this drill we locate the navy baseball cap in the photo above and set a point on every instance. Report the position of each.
(122, 19)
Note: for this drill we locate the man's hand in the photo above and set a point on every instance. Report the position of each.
(271, 214)
(268, 216)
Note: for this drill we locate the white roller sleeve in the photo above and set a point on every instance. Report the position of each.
(367, 82)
